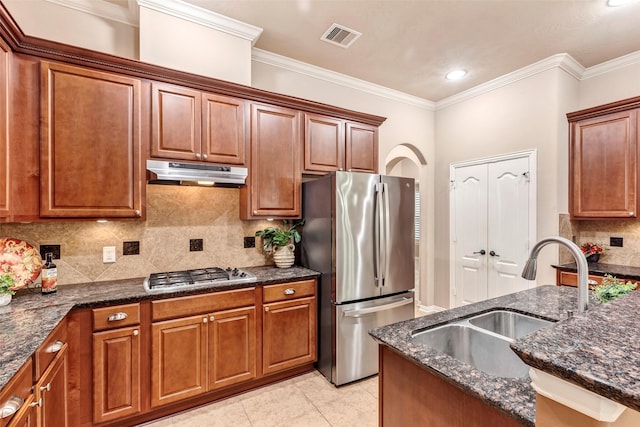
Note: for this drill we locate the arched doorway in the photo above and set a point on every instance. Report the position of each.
(407, 161)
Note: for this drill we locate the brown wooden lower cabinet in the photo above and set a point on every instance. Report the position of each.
(51, 392)
(568, 278)
(412, 396)
(16, 398)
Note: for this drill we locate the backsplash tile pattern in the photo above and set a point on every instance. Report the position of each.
(174, 216)
(599, 231)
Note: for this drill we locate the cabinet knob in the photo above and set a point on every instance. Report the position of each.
(340, 169)
(205, 156)
(137, 212)
(46, 387)
(632, 213)
(36, 403)
(204, 320)
(198, 156)
(255, 212)
(266, 309)
(135, 332)
(211, 318)
(11, 407)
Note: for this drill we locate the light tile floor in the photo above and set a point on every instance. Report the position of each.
(305, 401)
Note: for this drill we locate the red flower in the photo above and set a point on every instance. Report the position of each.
(591, 248)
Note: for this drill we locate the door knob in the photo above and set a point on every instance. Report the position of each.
(492, 253)
(481, 252)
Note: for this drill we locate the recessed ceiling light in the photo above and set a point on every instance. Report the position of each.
(616, 3)
(455, 75)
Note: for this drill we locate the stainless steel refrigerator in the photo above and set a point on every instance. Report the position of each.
(359, 234)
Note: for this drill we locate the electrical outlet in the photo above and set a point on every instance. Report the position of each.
(615, 241)
(108, 254)
(195, 245)
(131, 248)
(249, 242)
(54, 249)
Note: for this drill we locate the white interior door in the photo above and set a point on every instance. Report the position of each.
(470, 233)
(508, 224)
(492, 226)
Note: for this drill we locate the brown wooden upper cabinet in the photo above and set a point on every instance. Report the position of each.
(275, 175)
(192, 125)
(603, 162)
(91, 157)
(332, 144)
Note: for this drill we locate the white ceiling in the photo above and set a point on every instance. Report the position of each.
(410, 45)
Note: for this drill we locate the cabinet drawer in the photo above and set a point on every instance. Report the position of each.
(50, 348)
(14, 395)
(286, 291)
(116, 316)
(200, 304)
(571, 279)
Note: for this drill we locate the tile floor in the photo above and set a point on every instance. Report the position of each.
(308, 400)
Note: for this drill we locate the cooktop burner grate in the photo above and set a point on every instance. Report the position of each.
(201, 276)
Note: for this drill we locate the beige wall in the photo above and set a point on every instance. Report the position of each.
(527, 114)
(193, 48)
(62, 24)
(174, 216)
(611, 86)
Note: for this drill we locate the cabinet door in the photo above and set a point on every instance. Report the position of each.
(603, 162)
(324, 144)
(51, 391)
(289, 334)
(178, 359)
(275, 175)
(361, 148)
(5, 192)
(223, 136)
(232, 347)
(116, 374)
(175, 120)
(91, 162)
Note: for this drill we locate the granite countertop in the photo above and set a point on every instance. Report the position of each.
(619, 271)
(30, 317)
(598, 350)
(513, 396)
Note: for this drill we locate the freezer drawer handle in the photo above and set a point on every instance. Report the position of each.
(364, 311)
(289, 291)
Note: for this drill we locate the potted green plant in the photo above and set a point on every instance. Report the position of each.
(612, 288)
(6, 289)
(279, 242)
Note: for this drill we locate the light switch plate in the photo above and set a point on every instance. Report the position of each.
(108, 254)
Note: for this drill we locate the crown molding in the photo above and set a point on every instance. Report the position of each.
(612, 65)
(280, 61)
(204, 17)
(102, 9)
(563, 61)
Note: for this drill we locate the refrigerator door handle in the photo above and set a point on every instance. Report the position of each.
(384, 250)
(377, 235)
(370, 310)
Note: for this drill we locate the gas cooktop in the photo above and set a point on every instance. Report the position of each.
(186, 279)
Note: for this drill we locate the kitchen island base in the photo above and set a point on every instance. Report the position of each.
(411, 395)
(550, 413)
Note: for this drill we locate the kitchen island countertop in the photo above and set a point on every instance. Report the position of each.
(598, 350)
(30, 317)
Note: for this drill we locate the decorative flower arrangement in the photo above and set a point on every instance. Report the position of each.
(591, 249)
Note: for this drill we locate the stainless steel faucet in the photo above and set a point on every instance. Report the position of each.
(529, 271)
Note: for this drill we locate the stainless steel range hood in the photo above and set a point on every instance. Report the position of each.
(175, 173)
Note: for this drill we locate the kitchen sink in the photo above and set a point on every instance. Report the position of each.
(482, 341)
(508, 323)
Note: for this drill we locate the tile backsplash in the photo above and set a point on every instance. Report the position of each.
(599, 231)
(175, 215)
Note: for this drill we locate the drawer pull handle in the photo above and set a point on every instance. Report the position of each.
(117, 316)
(56, 346)
(11, 407)
(46, 387)
(289, 291)
(592, 282)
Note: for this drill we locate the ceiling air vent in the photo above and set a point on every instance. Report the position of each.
(340, 35)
